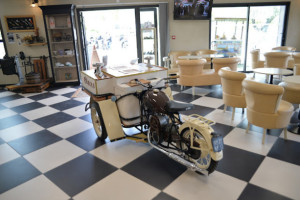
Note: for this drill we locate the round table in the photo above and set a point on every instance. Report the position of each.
(294, 128)
(272, 71)
(196, 57)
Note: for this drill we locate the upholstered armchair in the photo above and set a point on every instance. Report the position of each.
(297, 69)
(233, 94)
(265, 107)
(173, 55)
(296, 57)
(232, 63)
(285, 48)
(277, 59)
(255, 58)
(206, 52)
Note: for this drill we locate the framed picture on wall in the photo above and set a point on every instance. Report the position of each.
(20, 23)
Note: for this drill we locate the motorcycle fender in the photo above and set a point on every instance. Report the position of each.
(207, 136)
(111, 119)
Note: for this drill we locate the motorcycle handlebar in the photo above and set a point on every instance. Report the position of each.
(150, 86)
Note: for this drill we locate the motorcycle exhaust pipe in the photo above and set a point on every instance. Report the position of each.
(177, 158)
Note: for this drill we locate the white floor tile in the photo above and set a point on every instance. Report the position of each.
(225, 117)
(70, 128)
(7, 154)
(278, 176)
(53, 100)
(82, 99)
(191, 185)
(6, 113)
(251, 141)
(77, 111)
(35, 189)
(198, 91)
(17, 102)
(64, 90)
(53, 155)
(120, 153)
(119, 185)
(32, 94)
(20, 130)
(6, 93)
(208, 102)
(40, 112)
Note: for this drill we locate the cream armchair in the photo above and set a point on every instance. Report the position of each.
(255, 58)
(277, 59)
(191, 73)
(265, 107)
(232, 63)
(233, 94)
(296, 57)
(297, 69)
(173, 55)
(285, 48)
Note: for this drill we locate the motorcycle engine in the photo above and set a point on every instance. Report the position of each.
(158, 124)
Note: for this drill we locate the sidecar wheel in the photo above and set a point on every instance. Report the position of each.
(202, 158)
(97, 120)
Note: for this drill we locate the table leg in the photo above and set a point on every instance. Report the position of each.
(295, 128)
(271, 79)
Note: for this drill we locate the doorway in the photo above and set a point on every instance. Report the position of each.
(240, 28)
(118, 34)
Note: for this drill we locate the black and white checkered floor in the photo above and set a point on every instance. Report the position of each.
(48, 150)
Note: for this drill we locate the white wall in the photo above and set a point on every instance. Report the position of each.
(190, 35)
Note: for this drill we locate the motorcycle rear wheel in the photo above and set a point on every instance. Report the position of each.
(203, 159)
(97, 120)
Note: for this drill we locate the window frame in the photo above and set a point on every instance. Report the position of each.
(3, 39)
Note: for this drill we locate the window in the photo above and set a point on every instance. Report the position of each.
(2, 47)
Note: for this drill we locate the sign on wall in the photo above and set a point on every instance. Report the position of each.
(20, 23)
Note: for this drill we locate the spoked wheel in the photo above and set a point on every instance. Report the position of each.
(97, 120)
(201, 159)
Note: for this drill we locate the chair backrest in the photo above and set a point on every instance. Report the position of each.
(218, 63)
(277, 59)
(291, 92)
(231, 81)
(174, 57)
(297, 69)
(296, 57)
(254, 57)
(191, 67)
(205, 52)
(286, 48)
(262, 97)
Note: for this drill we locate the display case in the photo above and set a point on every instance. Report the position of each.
(62, 43)
(149, 48)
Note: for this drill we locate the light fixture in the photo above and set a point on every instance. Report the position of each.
(34, 3)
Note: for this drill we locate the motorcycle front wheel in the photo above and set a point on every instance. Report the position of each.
(97, 120)
(201, 159)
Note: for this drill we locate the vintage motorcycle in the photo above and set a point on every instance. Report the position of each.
(190, 141)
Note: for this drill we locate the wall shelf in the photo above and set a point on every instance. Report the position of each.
(36, 44)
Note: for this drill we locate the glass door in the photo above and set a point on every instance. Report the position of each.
(110, 33)
(228, 31)
(266, 25)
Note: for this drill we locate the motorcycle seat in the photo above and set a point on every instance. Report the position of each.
(173, 106)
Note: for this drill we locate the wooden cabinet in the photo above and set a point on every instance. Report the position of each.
(62, 42)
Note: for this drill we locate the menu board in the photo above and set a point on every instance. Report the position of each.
(20, 23)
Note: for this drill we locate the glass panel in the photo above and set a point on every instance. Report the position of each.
(147, 19)
(113, 34)
(265, 29)
(228, 31)
(2, 50)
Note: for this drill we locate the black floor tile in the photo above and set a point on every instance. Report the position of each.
(86, 118)
(1, 141)
(34, 142)
(200, 110)
(286, 150)
(54, 119)
(12, 121)
(239, 163)
(155, 168)
(42, 96)
(258, 193)
(216, 94)
(184, 97)
(2, 107)
(16, 172)
(80, 173)
(222, 129)
(274, 132)
(177, 88)
(87, 140)
(163, 196)
(27, 107)
(52, 88)
(66, 104)
(10, 98)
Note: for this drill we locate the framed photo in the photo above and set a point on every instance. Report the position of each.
(20, 23)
